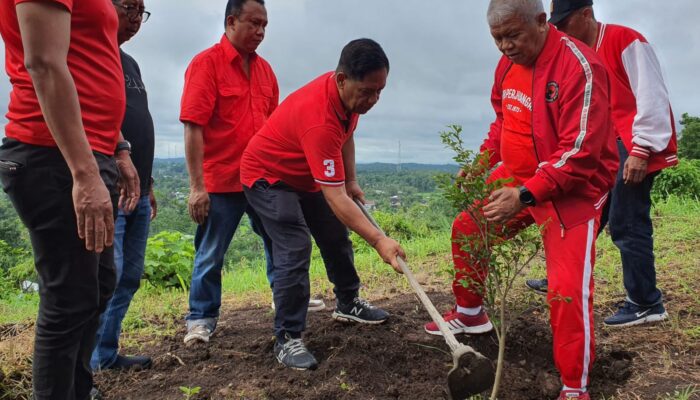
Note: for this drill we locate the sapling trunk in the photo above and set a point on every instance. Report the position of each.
(491, 247)
(501, 332)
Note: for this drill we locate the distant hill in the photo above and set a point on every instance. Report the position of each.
(371, 167)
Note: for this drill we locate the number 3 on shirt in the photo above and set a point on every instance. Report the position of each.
(330, 168)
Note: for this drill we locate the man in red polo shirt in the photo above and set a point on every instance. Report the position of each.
(57, 167)
(229, 93)
(298, 174)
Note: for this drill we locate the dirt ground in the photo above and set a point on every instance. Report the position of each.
(395, 360)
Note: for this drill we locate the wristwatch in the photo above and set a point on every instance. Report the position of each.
(526, 197)
(123, 145)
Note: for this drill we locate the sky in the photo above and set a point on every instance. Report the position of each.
(441, 53)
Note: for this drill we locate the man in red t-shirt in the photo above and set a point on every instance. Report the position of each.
(646, 142)
(57, 166)
(229, 93)
(298, 174)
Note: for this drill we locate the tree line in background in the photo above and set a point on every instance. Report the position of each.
(405, 198)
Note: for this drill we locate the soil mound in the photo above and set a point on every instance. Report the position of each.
(396, 360)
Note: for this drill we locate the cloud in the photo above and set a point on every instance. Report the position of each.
(442, 59)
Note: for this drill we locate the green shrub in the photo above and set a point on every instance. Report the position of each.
(169, 258)
(682, 181)
(16, 266)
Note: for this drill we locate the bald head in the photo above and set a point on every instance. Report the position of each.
(502, 10)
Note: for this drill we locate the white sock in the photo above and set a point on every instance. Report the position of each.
(582, 390)
(472, 311)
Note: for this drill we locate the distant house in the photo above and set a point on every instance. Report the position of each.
(395, 201)
(371, 205)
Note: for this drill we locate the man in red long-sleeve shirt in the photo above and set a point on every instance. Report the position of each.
(553, 135)
(646, 142)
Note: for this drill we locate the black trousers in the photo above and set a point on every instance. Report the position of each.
(74, 284)
(290, 219)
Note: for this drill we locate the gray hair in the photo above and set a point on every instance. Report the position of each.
(502, 10)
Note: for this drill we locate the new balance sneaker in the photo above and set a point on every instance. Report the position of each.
(314, 305)
(538, 285)
(462, 323)
(359, 310)
(630, 314)
(293, 354)
(198, 333)
(573, 394)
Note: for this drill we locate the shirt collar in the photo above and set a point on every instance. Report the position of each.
(334, 96)
(230, 52)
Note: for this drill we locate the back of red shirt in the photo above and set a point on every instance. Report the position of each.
(94, 63)
(301, 144)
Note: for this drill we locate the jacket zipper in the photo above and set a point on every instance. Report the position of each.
(537, 156)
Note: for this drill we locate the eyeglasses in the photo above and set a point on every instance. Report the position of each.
(134, 12)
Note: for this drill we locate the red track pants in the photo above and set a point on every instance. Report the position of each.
(570, 255)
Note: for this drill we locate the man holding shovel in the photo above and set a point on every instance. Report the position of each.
(554, 136)
(298, 174)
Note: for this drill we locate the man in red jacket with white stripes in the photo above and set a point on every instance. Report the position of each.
(553, 135)
(646, 142)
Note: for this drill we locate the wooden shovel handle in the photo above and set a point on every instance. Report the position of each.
(434, 314)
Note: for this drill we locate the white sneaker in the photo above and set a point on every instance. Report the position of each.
(198, 333)
(314, 305)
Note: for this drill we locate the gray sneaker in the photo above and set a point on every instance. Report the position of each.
(198, 333)
(293, 354)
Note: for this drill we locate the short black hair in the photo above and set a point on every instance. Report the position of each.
(361, 57)
(235, 8)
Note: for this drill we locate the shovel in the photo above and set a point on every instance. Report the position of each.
(471, 373)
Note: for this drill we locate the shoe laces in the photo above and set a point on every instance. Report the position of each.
(295, 347)
(200, 329)
(364, 303)
(626, 306)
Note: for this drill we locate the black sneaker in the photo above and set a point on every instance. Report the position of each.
(538, 285)
(630, 314)
(361, 311)
(131, 362)
(293, 354)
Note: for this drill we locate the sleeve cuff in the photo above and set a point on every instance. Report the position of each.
(540, 187)
(193, 120)
(640, 152)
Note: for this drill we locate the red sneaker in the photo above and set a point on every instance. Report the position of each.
(573, 394)
(462, 323)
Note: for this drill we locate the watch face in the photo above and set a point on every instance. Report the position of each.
(526, 197)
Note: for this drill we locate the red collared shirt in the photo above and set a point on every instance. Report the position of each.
(230, 107)
(302, 142)
(94, 63)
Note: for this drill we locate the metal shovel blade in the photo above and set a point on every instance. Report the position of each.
(471, 374)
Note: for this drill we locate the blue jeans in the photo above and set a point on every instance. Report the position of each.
(632, 232)
(130, 237)
(211, 241)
